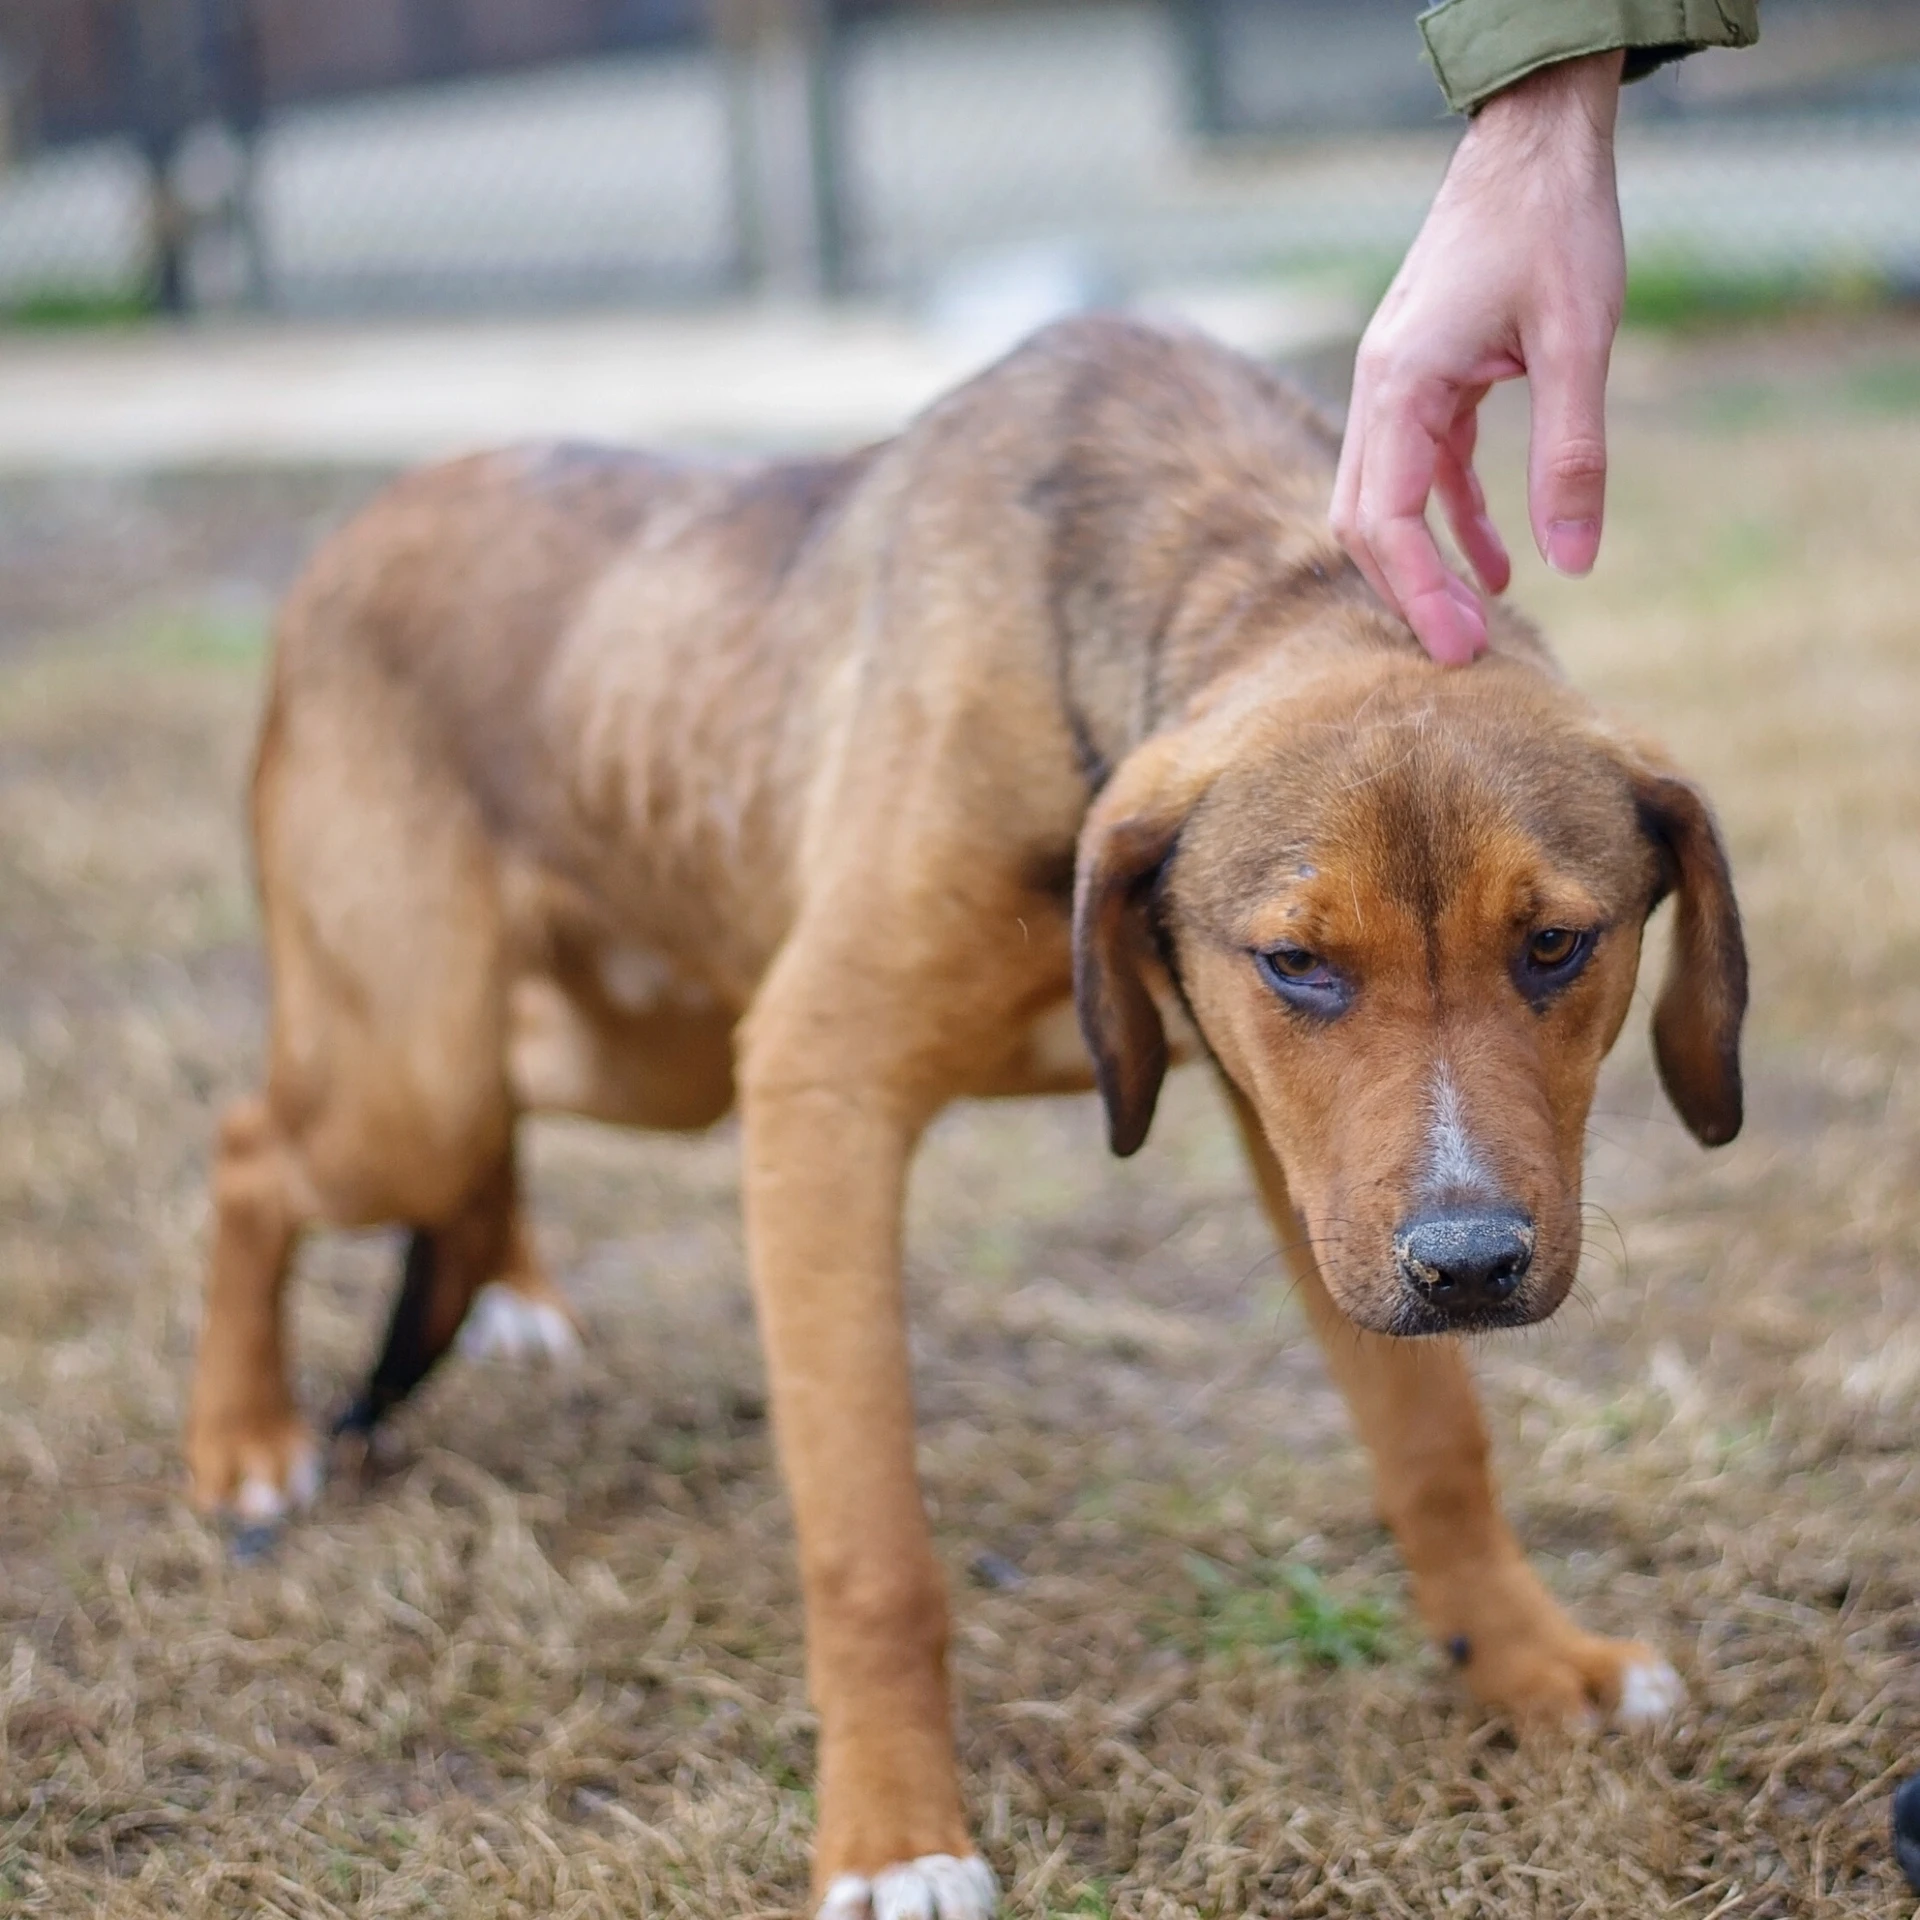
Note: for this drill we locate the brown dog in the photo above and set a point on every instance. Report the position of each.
(598, 783)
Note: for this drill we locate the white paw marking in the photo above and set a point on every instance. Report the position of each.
(503, 1324)
(848, 1898)
(259, 1502)
(637, 981)
(937, 1886)
(634, 979)
(1650, 1691)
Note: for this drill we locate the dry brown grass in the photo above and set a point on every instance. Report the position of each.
(549, 1663)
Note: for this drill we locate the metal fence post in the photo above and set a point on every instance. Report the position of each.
(780, 61)
(822, 49)
(156, 71)
(241, 88)
(1202, 38)
(733, 49)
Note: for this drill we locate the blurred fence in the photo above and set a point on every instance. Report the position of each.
(421, 154)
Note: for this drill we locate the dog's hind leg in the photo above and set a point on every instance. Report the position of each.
(445, 1268)
(1414, 1404)
(386, 1102)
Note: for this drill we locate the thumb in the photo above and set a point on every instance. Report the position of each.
(1567, 457)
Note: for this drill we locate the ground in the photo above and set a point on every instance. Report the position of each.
(549, 1661)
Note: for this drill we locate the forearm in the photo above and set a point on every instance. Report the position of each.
(1481, 48)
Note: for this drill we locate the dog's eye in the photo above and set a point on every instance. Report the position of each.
(1555, 953)
(1303, 980)
(1296, 963)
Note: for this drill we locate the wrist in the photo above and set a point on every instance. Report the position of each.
(1577, 98)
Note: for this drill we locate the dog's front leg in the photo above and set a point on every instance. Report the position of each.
(1414, 1404)
(830, 1125)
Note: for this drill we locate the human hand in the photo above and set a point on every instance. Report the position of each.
(1518, 271)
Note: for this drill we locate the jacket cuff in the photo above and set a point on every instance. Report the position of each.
(1478, 48)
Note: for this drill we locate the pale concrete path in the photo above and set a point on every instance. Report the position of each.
(298, 395)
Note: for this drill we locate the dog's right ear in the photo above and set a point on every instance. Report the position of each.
(1128, 837)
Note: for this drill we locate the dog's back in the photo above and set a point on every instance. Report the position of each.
(557, 737)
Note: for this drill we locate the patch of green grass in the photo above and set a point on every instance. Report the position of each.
(1738, 561)
(1891, 386)
(55, 307)
(1091, 1901)
(1740, 406)
(1286, 1609)
(206, 637)
(1365, 271)
(1619, 1422)
(782, 1769)
(1739, 1442)
(1674, 293)
(1745, 545)
(678, 1452)
(1885, 388)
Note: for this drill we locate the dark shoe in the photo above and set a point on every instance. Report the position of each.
(1906, 1830)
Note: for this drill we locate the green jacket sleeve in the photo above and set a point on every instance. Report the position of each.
(1480, 47)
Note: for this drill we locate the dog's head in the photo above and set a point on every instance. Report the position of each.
(1404, 908)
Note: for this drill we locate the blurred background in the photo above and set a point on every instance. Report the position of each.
(972, 161)
(421, 223)
(447, 155)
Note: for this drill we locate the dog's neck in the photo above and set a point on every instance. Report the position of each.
(1249, 614)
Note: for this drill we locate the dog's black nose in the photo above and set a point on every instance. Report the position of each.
(1467, 1262)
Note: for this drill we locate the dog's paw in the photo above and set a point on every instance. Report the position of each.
(1651, 1693)
(256, 1476)
(937, 1886)
(1627, 1685)
(504, 1324)
(1571, 1679)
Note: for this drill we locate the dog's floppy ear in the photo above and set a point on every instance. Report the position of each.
(1696, 1021)
(1127, 838)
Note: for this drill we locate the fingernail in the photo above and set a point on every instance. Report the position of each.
(1468, 639)
(1573, 545)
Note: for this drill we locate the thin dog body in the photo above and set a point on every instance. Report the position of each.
(1029, 751)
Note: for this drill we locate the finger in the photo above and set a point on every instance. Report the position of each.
(1344, 512)
(1567, 454)
(1466, 506)
(1402, 455)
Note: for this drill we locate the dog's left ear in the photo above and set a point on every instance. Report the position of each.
(1128, 836)
(1696, 1021)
